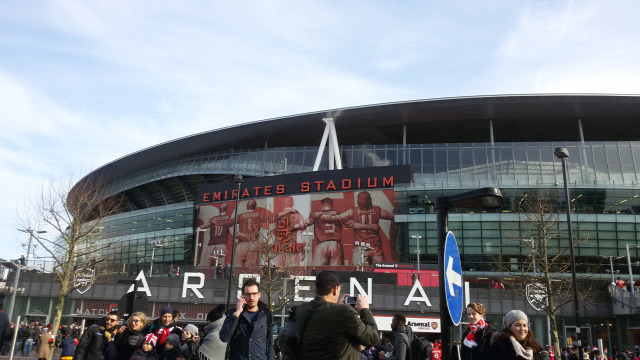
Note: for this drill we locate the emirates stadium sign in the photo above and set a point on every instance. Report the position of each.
(306, 183)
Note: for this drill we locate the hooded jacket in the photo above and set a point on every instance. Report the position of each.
(247, 340)
(212, 347)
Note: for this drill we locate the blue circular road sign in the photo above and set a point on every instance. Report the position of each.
(453, 278)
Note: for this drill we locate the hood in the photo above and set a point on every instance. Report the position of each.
(216, 325)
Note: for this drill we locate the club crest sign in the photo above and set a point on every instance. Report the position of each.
(536, 295)
(84, 279)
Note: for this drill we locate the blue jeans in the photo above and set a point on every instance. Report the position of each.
(27, 347)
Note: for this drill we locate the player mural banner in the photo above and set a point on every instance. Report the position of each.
(329, 228)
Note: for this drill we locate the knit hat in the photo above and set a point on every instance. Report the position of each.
(151, 339)
(166, 310)
(192, 329)
(174, 340)
(216, 313)
(514, 315)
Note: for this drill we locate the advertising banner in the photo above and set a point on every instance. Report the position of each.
(304, 228)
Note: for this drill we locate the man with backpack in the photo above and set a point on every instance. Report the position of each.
(401, 338)
(421, 348)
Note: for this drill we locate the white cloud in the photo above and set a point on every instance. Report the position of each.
(83, 83)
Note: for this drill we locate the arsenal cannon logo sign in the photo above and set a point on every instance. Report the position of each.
(83, 279)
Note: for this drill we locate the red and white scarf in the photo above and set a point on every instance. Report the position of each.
(470, 340)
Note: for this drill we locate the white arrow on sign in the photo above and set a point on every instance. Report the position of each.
(453, 278)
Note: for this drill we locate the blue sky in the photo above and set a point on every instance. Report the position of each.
(83, 83)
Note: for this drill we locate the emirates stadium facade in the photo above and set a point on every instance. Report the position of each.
(176, 193)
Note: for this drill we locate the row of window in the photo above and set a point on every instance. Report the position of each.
(454, 164)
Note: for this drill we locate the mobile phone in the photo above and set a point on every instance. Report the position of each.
(351, 300)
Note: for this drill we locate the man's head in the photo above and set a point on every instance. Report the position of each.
(364, 200)
(328, 285)
(176, 315)
(223, 208)
(326, 203)
(251, 293)
(166, 316)
(252, 204)
(287, 201)
(111, 321)
(398, 321)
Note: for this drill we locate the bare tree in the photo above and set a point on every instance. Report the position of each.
(74, 218)
(542, 278)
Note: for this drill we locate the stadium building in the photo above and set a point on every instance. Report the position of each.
(371, 203)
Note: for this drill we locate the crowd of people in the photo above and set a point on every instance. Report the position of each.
(330, 326)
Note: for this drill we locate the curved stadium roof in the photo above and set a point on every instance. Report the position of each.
(516, 118)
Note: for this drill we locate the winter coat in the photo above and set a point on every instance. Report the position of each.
(141, 355)
(288, 340)
(128, 342)
(211, 346)
(502, 348)
(334, 331)
(173, 354)
(400, 345)
(5, 329)
(248, 341)
(28, 333)
(45, 347)
(483, 338)
(93, 343)
(68, 346)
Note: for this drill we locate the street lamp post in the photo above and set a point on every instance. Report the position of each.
(307, 233)
(562, 154)
(485, 198)
(613, 278)
(196, 246)
(19, 267)
(238, 180)
(632, 287)
(154, 245)
(362, 247)
(418, 238)
(217, 254)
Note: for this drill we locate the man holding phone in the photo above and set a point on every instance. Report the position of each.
(325, 321)
(249, 327)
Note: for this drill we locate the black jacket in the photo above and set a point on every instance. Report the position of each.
(5, 329)
(248, 341)
(92, 343)
(128, 342)
(141, 355)
(502, 348)
(483, 338)
(401, 341)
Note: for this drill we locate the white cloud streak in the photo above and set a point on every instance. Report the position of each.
(83, 83)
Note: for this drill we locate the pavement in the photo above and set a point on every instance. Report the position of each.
(33, 355)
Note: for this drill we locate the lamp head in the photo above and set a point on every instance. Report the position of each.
(561, 153)
(238, 179)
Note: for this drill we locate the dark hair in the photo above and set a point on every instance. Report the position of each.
(176, 313)
(250, 282)
(400, 318)
(529, 340)
(216, 313)
(325, 281)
